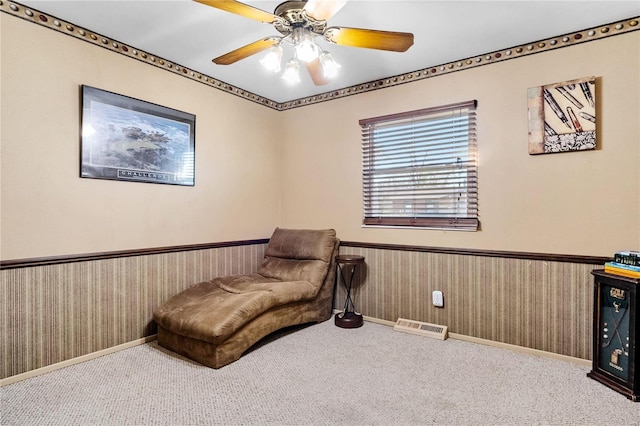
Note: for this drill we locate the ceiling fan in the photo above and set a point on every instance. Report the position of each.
(300, 22)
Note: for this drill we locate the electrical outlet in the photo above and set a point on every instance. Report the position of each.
(438, 299)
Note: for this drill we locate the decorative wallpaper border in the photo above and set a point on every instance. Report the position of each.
(569, 39)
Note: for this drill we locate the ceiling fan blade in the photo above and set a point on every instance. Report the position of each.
(322, 10)
(246, 51)
(370, 39)
(316, 73)
(241, 9)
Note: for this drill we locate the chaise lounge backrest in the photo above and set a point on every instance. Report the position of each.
(296, 255)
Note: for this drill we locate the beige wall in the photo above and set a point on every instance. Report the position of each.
(257, 168)
(584, 203)
(48, 210)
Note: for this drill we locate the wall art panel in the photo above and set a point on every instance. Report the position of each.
(562, 116)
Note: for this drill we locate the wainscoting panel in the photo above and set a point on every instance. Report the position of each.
(53, 313)
(536, 304)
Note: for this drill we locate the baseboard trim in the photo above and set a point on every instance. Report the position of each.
(538, 352)
(73, 361)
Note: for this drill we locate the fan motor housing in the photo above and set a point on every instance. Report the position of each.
(293, 15)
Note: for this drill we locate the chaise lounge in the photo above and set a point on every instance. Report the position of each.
(216, 321)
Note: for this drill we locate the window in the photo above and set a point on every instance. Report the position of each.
(420, 168)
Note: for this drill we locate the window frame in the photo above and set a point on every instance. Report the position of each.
(393, 159)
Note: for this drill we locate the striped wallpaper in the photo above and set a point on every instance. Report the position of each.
(531, 303)
(57, 312)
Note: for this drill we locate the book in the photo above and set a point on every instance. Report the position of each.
(630, 257)
(621, 271)
(623, 266)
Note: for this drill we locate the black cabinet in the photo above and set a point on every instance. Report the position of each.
(616, 333)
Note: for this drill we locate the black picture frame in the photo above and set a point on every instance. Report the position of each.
(127, 139)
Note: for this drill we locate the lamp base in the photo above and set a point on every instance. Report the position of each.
(348, 320)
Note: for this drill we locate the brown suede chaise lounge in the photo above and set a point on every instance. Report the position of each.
(215, 322)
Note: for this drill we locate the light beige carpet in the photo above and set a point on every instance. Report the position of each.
(322, 375)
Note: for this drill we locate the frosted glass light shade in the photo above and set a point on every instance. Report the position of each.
(272, 59)
(330, 67)
(306, 49)
(292, 72)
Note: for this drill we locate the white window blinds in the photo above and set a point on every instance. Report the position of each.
(420, 168)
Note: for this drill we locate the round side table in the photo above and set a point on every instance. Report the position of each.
(347, 265)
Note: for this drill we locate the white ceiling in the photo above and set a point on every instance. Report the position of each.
(191, 34)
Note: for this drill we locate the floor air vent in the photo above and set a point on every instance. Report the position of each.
(421, 328)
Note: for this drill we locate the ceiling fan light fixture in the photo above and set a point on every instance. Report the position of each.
(300, 23)
(306, 49)
(330, 67)
(292, 72)
(272, 59)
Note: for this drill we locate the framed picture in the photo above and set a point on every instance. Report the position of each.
(562, 116)
(132, 140)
